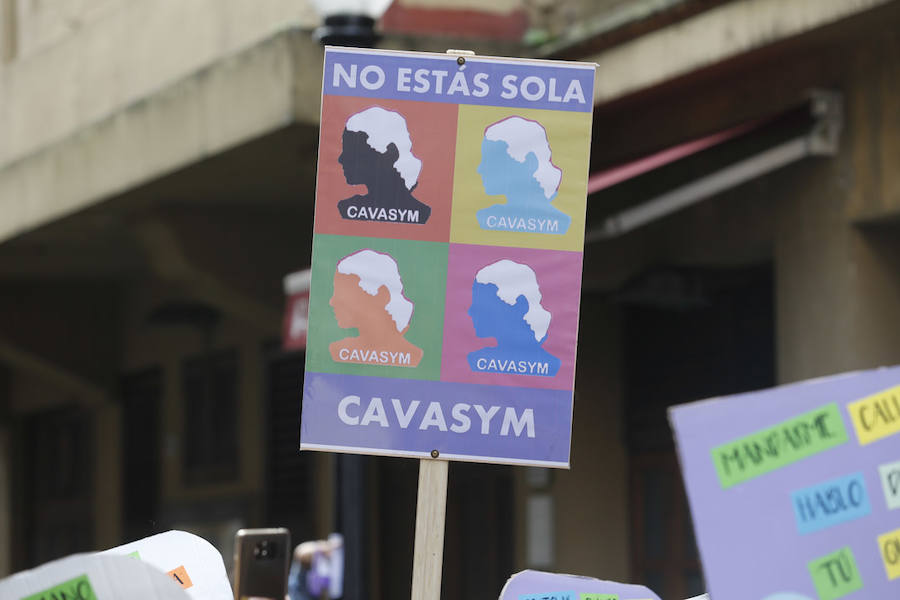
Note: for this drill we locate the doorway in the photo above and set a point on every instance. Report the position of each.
(59, 483)
(690, 334)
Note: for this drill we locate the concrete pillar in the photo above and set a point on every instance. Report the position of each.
(837, 287)
(837, 279)
(814, 274)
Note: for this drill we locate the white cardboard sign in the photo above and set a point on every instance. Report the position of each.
(188, 559)
(92, 577)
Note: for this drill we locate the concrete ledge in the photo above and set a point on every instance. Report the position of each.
(275, 83)
(712, 37)
(257, 91)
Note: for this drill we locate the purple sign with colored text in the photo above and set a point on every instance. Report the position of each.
(537, 585)
(447, 257)
(793, 491)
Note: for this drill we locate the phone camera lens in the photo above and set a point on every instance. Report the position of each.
(264, 550)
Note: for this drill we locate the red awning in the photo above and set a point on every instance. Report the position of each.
(809, 129)
(610, 177)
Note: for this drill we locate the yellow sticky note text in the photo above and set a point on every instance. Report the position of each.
(889, 544)
(877, 416)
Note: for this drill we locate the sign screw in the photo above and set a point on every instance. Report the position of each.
(460, 60)
(435, 454)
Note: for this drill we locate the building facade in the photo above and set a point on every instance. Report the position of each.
(157, 174)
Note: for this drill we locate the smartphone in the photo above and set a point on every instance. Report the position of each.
(261, 560)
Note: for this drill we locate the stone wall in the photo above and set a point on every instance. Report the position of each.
(72, 63)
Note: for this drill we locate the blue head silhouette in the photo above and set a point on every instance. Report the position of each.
(506, 306)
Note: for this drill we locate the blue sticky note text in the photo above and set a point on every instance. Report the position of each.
(830, 503)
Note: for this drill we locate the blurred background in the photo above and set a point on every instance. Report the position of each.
(157, 176)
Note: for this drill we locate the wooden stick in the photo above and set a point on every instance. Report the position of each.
(431, 512)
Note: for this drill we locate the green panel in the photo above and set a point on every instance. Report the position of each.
(775, 447)
(423, 271)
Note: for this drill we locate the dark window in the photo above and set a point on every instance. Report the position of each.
(141, 394)
(664, 555)
(690, 334)
(479, 538)
(210, 418)
(289, 476)
(59, 481)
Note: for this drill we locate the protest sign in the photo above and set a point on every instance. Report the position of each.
(447, 256)
(92, 577)
(536, 585)
(793, 490)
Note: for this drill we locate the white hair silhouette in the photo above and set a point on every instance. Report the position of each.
(387, 127)
(513, 280)
(374, 270)
(522, 137)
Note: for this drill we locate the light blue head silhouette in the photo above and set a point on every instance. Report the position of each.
(502, 175)
(506, 306)
(516, 162)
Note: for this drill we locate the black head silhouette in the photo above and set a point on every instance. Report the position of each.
(389, 172)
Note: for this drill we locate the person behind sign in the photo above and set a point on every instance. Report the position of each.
(506, 305)
(368, 296)
(305, 580)
(516, 162)
(377, 153)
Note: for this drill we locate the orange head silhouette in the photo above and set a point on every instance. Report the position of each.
(368, 296)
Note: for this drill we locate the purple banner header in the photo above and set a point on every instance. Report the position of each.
(398, 417)
(479, 81)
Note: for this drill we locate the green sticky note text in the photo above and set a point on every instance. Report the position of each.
(78, 588)
(835, 575)
(598, 597)
(775, 447)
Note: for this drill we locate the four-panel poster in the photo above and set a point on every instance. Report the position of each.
(447, 256)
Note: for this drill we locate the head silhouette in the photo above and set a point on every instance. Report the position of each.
(368, 296)
(516, 162)
(376, 143)
(368, 291)
(506, 304)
